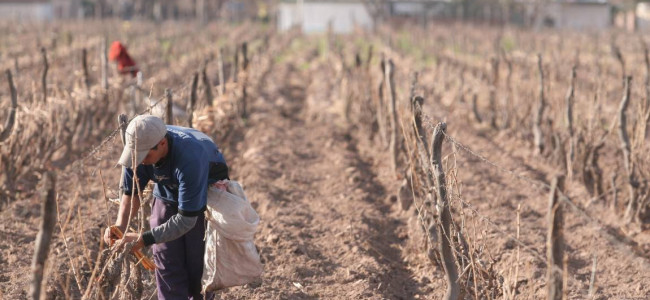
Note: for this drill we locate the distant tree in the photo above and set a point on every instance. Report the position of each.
(378, 10)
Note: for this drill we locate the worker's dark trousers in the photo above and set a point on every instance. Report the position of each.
(179, 262)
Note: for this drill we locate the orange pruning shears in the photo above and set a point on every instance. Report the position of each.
(147, 263)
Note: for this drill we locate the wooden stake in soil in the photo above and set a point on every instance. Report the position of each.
(220, 74)
(494, 62)
(569, 123)
(192, 102)
(445, 246)
(425, 166)
(235, 64)
(646, 108)
(592, 281)
(555, 241)
(539, 114)
(420, 134)
(84, 64)
(244, 52)
(122, 122)
(627, 150)
(44, 237)
(9, 125)
(138, 81)
(244, 94)
(104, 64)
(206, 84)
(477, 116)
(46, 67)
(381, 121)
(390, 91)
(169, 114)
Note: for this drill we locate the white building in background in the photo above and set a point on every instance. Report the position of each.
(316, 16)
(69, 9)
(570, 14)
(26, 10)
(643, 16)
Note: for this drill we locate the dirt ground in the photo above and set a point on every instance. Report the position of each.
(331, 224)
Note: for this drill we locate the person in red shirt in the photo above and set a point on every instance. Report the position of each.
(125, 64)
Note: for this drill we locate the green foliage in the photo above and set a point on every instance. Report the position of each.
(456, 48)
(404, 42)
(429, 61)
(508, 43)
(362, 43)
(254, 45)
(165, 48)
(323, 46)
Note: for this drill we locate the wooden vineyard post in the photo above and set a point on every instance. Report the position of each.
(509, 94)
(343, 75)
(445, 245)
(192, 102)
(244, 51)
(44, 237)
(646, 108)
(104, 64)
(494, 81)
(569, 123)
(122, 122)
(235, 63)
(381, 121)
(627, 149)
(390, 91)
(220, 74)
(425, 164)
(138, 81)
(555, 240)
(9, 124)
(169, 113)
(420, 133)
(592, 280)
(206, 84)
(539, 114)
(421, 137)
(46, 67)
(84, 64)
(477, 116)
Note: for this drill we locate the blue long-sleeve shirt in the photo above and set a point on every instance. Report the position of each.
(192, 163)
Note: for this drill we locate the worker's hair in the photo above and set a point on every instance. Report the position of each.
(156, 146)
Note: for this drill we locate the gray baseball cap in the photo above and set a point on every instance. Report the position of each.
(143, 133)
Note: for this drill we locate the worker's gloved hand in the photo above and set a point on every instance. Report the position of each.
(133, 237)
(110, 237)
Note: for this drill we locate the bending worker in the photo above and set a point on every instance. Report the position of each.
(182, 162)
(125, 64)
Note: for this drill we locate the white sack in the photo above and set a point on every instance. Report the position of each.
(230, 258)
